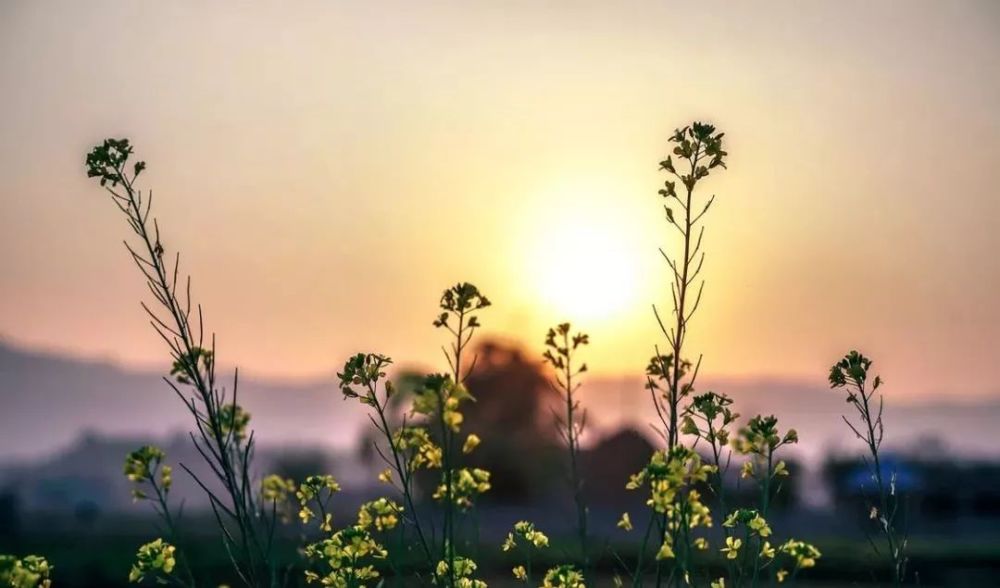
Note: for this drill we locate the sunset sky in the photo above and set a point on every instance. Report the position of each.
(327, 168)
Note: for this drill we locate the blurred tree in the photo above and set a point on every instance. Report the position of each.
(512, 415)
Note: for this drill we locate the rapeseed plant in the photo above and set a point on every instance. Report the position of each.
(851, 373)
(220, 423)
(560, 351)
(526, 539)
(682, 486)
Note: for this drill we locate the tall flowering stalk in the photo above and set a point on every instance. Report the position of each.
(221, 424)
(851, 374)
(429, 441)
(675, 475)
(441, 398)
(670, 377)
(698, 148)
(753, 552)
(409, 448)
(561, 347)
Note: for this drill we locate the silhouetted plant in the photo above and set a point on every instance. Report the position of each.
(221, 424)
(670, 377)
(851, 374)
(561, 348)
(699, 149)
(675, 474)
(430, 437)
(436, 405)
(152, 479)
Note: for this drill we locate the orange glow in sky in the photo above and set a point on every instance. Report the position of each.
(326, 171)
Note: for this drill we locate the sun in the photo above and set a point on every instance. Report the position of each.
(586, 271)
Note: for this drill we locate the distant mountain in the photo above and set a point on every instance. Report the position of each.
(47, 401)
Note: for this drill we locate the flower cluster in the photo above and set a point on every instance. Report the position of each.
(667, 473)
(561, 345)
(316, 490)
(31, 571)
(460, 300)
(349, 555)
(661, 368)
(154, 559)
(694, 142)
(526, 531)
(441, 396)
(671, 476)
(364, 370)
(276, 493)
(192, 366)
(751, 519)
(382, 513)
(715, 414)
(144, 465)
(853, 370)
(274, 488)
(760, 437)
(417, 443)
(564, 576)
(804, 554)
(107, 161)
(233, 421)
(467, 483)
(462, 576)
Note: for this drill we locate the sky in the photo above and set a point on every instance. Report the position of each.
(327, 168)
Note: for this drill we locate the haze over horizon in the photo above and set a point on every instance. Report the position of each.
(54, 403)
(326, 172)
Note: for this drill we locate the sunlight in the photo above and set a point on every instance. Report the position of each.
(583, 264)
(586, 272)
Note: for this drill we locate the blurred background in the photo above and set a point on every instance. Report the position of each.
(328, 168)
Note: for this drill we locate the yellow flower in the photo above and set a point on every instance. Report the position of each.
(781, 469)
(520, 573)
(780, 575)
(666, 550)
(805, 554)
(732, 548)
(274, 488)
(564, 576)
(701, 543)
(385, 476)
(758, 524)
(625, 522)
(166, 477)
(720, 583)
(471, 442)
(767, 551)
(383, 513)
(155, 558)
(747, 470)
